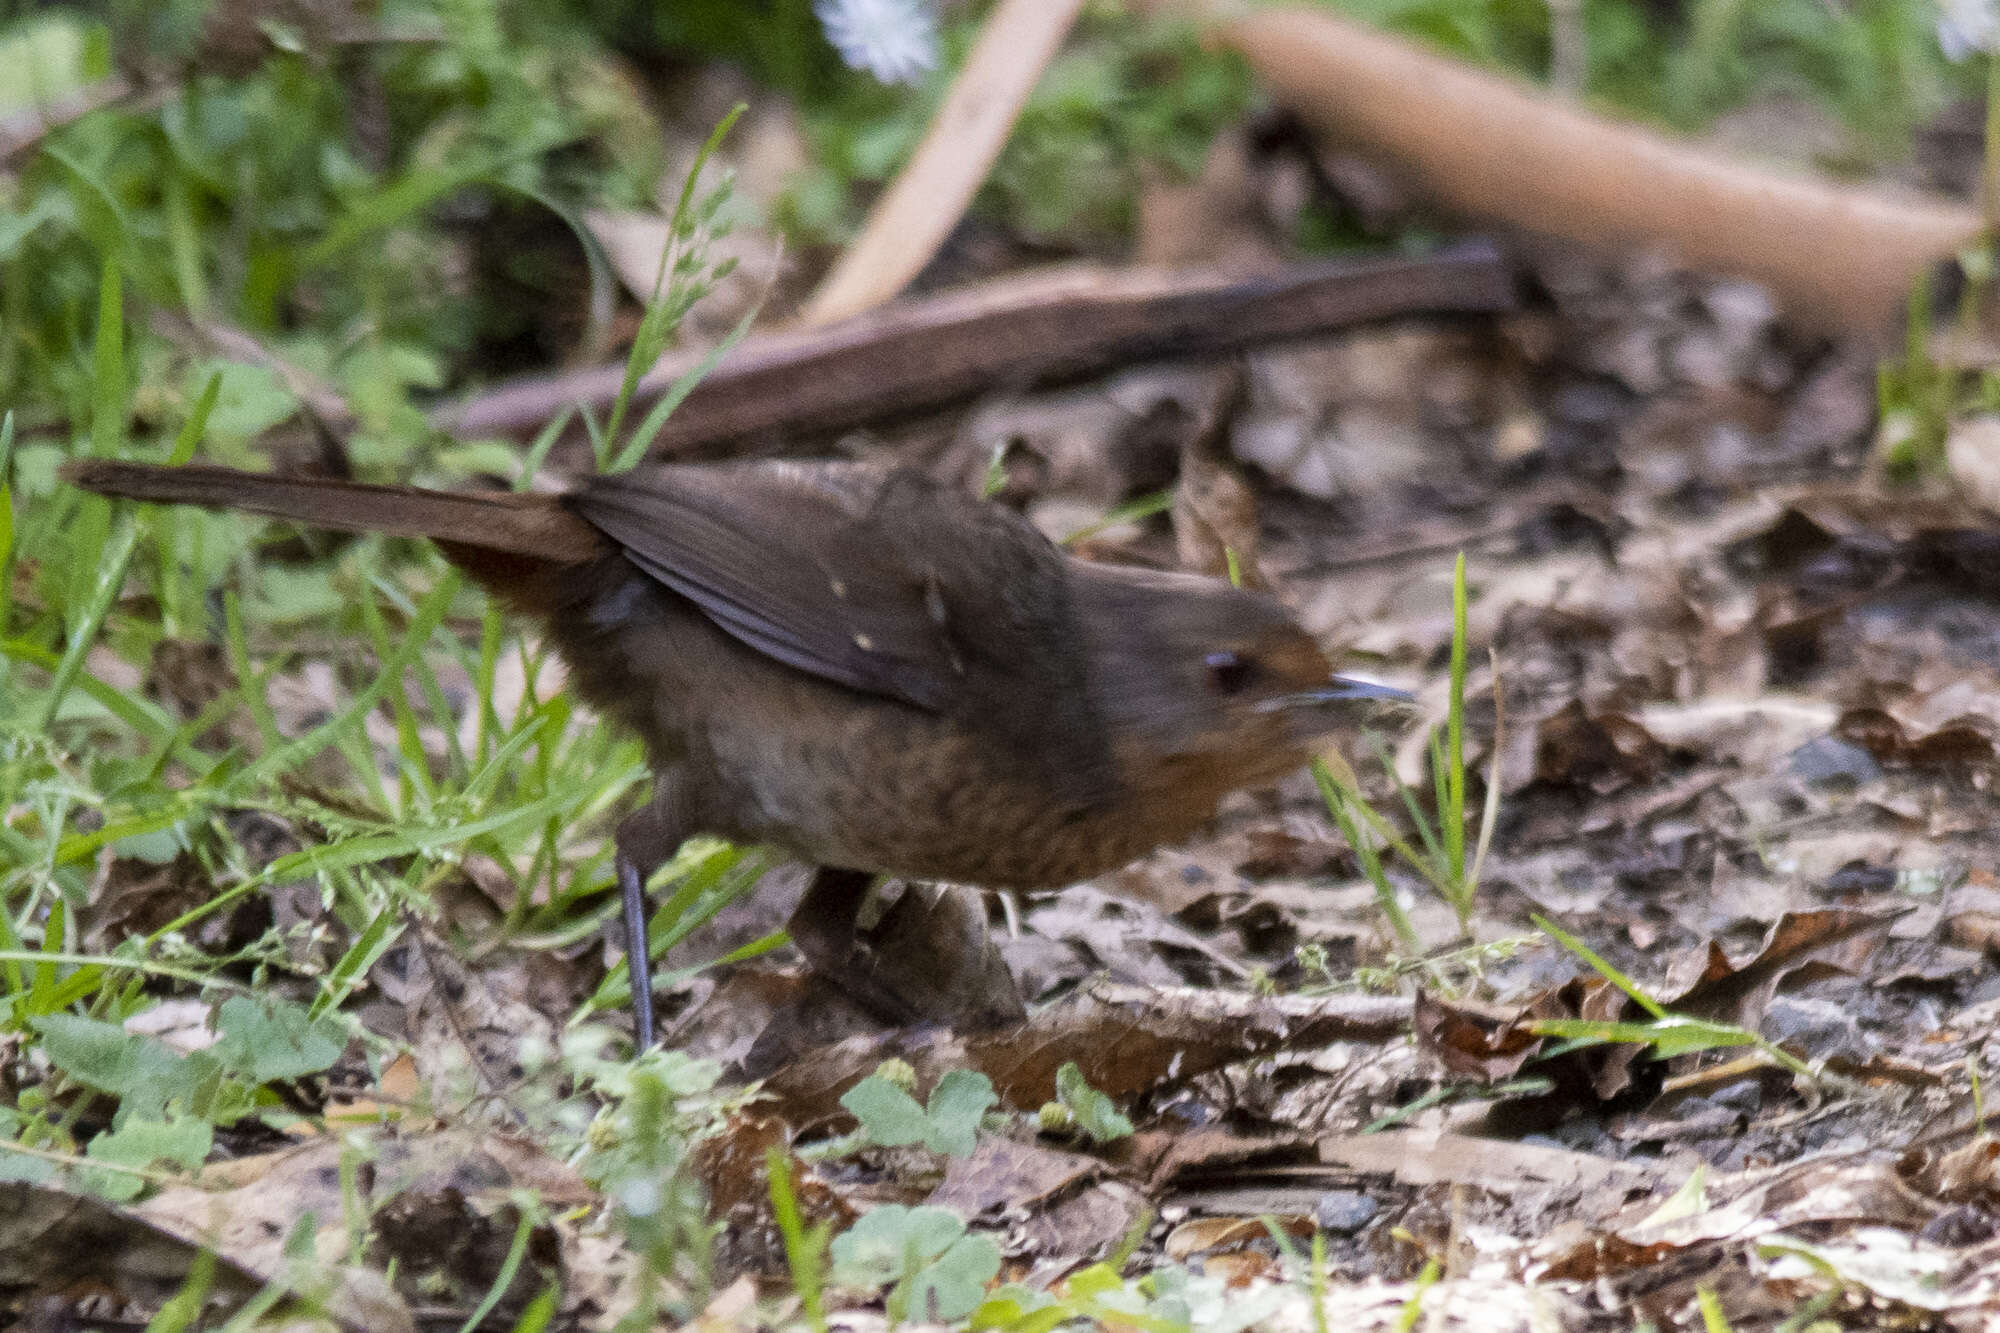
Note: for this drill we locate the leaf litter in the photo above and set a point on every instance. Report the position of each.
(1749, 763)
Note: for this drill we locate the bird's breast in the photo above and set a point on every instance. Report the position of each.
(895, 791)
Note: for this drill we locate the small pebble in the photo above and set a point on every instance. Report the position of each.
(1819, 1029)
(1345, 1211)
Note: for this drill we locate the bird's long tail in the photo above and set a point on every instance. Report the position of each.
(537, 526)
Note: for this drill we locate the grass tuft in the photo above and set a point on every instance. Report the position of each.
(1441, 855)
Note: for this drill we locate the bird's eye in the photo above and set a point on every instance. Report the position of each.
(1228, 673)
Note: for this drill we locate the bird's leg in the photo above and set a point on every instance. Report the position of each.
(823, 928)
(638, 955)
(929, 959)
(644, 840)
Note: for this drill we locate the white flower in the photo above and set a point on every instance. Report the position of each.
(895, 40)
(1965, 26)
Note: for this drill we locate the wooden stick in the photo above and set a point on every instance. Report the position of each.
(1838, 256)
(22, 129)
(1018, 331)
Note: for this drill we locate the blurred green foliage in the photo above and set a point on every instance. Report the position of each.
(387, 196)
(389, 193)
(1875, 64)
(1123, 96)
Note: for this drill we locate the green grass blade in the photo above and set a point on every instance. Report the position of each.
(538, 451)
(739, 881)
(98, 214)
(107, 390)
(1489, 814)
(173, 537)
(502, 761)
(76, 847)
(6, 517)
(1339, 804)
(142, 715)
(1132, 511)
(503, 1280)
(430, 614)
(417, 190)
(1600, 965)
(649, 429)
(82, 632)
(657, 324)
(419, 793)
(238, 645)
(105, 962)
(12, 953)
(184, 242)
(370, 848)
(1453, 818)
(1427, 835)
(383, 929)
(196, 425)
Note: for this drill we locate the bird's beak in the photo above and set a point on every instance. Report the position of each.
(1346, 689)
(1340, 703)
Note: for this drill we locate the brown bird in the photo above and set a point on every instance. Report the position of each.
(869, 671)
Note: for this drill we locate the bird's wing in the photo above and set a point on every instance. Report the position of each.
(854, 574)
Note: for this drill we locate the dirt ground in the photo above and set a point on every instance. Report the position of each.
(1739, 710)
(1736, 692)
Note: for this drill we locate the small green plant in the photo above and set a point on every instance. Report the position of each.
(1413, 1308)
(934, 1269)
(1810, 1317)
(686, 274)
(890, 1117)
(169, 1104)
(1084, 1109)
(1668, 1034)
(1168, 1299)
(1922, 394)
(635, 1149)
(703, 877)
(1713, 1320)
(1470, 961)
(1456, 1093)
(92, 775)
(805, 1248)
(1444, 858)
(1131, 511)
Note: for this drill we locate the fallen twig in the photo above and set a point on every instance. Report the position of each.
(23, 129)
(1838, 255)
(1018, 331)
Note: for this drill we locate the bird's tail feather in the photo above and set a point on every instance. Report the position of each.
(538, 526)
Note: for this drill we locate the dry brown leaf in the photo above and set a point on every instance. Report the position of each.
(64, 1244)
(1207, 1234)
(1601, 751)
(1471, 1043)
(1003, 1175)
(1427, 1157)
(1125, 1039)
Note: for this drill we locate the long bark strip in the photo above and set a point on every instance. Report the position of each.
(929, 351)
(1839, 256)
